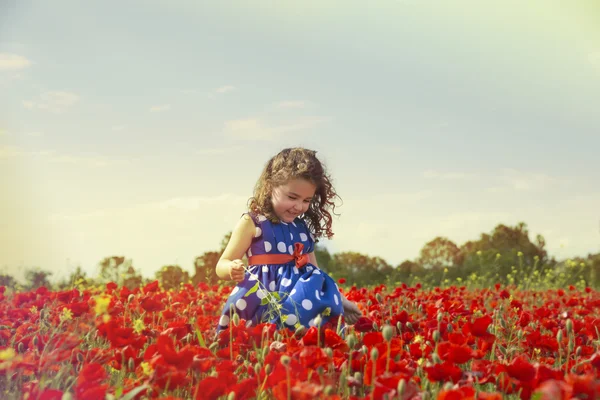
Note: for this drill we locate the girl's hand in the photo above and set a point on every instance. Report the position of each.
(351, 311)
(236, 270)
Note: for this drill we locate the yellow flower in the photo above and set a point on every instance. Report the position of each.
(102, 303)
(147, 368)
(33, 310)
(7, 354)
(66, 315)
(327, 312)
(138, 325)
(418, 339)
(520, 254)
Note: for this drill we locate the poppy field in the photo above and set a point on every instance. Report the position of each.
(413, 342)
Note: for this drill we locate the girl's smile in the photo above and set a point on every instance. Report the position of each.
(292, 199)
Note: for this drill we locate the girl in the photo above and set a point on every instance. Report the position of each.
(283, 283)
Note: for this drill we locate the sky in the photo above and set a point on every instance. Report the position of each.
(139, 128)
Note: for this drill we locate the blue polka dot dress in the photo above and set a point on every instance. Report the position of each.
(282, 294)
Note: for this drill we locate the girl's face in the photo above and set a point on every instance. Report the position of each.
(292, 199)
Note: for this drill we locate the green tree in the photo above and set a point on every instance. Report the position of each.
(172, 276)
(494, 255)
(120, 270)
(323, 257)
(358, 268)
(205, 264)
(37, 278)
(440, 252)
(8, 281)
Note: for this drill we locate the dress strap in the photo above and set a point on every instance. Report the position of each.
(253, 216)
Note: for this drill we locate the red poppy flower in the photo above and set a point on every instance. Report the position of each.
(363, 324)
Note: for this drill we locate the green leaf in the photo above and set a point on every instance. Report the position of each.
(264, 301)
(200, 338)
(276, 295)
(131, 395)
(252, 290)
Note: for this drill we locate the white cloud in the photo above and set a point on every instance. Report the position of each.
(9, 151)
(90, 161)
(160, 108)
(258, 129)
(291, 104)
(225, 89)
(448, 176)
(12, 62)
(56, 101)
(182, 204)
(515, 180)
(54, 157)
(217, 150)
(594, 58)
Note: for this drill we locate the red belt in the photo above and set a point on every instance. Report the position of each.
(300, 259)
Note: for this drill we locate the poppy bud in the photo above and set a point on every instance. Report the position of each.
(559, 336)
(436, 359)
(285, 360)
(66, 396)
(375, 326)
(329, 352)
(80, 357)
(328, 391)
(236, 319)
(436, 336)
(578, 351)
(130, 298)
(374, 353)
(131, 364)
(358, 376)
(388, 333)
(21, 347)
(569, 326)
(399, 326)
(318, 320)
(378, 297)
(300, 331)
(409, 326)
(439, 317)
(257, 368)
(231, 396)
(401, 387)
(571, 345)
(351, 340)
(268, 369)
(449, 328)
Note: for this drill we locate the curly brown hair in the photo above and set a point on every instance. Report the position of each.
(297, 163)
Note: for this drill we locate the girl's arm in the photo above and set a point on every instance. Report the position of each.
(241, 238)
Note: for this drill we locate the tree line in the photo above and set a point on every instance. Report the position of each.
(506, 255)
